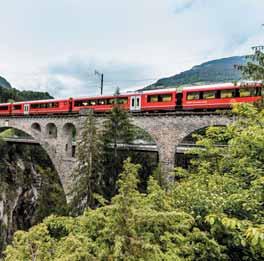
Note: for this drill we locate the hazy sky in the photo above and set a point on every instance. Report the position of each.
(55, 45)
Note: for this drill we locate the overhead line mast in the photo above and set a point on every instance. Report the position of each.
(102, 80)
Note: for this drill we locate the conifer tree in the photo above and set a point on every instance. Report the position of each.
(117, 129)
(88, 174)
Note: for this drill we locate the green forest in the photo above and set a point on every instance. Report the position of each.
(12, 94)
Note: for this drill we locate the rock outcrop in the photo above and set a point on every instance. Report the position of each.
(28, 192)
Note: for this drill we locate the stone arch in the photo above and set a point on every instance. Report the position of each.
(182, 159)
(36, 127)
(169, 130)
(189, 139)
(46, 146)
(51, 131)
(69, 135)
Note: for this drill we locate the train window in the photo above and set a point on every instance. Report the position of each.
(165, 97)
(34, 106)
(159, 98)
(45, 105)
(193, 96)
(246, 92)
(17, 107)
(122, 100)
(3, 108)
(93, 102)
(227, 93)
(78, 103)
(110, 101)
(209, 95)
(153, 98)
(101, 102)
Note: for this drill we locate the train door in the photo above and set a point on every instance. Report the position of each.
(135, 103)
(179, 100)
(26, 108)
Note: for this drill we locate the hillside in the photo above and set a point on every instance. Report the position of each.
(4, 83)
(7, 93)
(221, 70)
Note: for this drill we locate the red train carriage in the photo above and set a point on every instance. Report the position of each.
(219, 96)
(100, 104)
(158, 100)
(5, 109)
(191, 98)
(42, 107)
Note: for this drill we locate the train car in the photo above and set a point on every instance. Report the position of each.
(220, 96)
(139, 101)
(159, 100)
(5, 109)
(41, 107)
(101, 103)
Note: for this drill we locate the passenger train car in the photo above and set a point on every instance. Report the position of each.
(218, 96)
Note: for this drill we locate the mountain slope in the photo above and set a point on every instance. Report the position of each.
(4, 83)
(221, 70)
(9, 94)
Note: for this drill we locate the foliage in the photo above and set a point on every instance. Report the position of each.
(254, 69)
(223, 190)
(88, 174)
(134, 226)
(4, 83)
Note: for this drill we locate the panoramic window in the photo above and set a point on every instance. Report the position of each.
(193, 96)
(159, 98)
(44, 105)
(209, 95)
(93, 102)
(82, 103)
(101, 102)
(110, 101)
(227, 93)
(3, 108)
(123, 100)
(246, 92)
(153, 98)
(165, 97)
(17, 107)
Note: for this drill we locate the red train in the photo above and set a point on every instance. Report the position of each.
(190, 98)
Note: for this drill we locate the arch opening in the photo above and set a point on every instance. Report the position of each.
(69, 133)
(182, 159)
(29, 175)
(141, 150)
(36, 127)
(51, 131)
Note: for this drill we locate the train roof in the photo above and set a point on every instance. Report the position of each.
(221, 85)
(40, 101)
(157, 90)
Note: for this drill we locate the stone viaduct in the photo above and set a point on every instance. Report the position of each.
(54, 134)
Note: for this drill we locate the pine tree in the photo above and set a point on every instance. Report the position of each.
(88, 174)
(117, 129)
